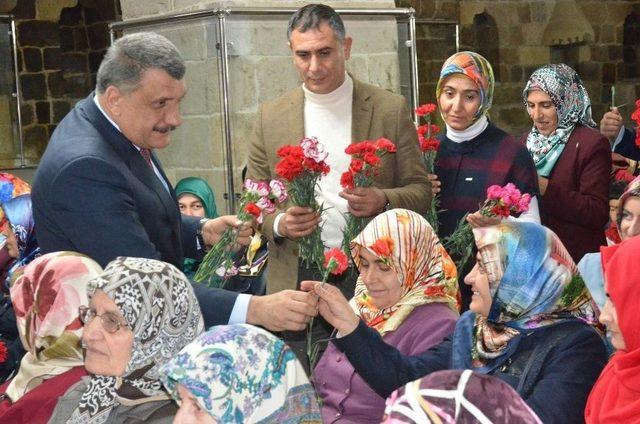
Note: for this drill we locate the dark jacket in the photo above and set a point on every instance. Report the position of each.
(557, 390)
(95, 194)
(627, 146)
(575, 205)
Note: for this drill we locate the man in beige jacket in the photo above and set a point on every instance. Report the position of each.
(338, 110)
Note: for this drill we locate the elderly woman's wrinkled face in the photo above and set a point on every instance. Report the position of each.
(542, 111)
(459, 101)
(630, 220)
(380, 279)
(190, 411)
(107, 352)
(478, 279)
(609, 317)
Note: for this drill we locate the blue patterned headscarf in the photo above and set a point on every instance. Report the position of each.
(564, 86)
(534, 283)
(19, 214)
(240, 373)
(475, 67)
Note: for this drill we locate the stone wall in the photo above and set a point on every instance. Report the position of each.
(60, 45)
(260, 68)
(519, 47)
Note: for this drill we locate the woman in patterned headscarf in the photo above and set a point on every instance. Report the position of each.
(22, 248)
(530, 324)
(142, 312)
(455, 396)
(474, 154)
(573, 160)
(406, 291)
(46, 296)
(240, 374)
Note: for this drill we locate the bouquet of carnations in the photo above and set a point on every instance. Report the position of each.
(301, 167)
(429, 146)
(501, 202)
(335, 263)
(258, 197)
(364, 166)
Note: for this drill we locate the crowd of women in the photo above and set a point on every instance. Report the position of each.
(517, 338)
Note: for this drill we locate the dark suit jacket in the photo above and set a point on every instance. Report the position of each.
(94, 193)
(575, 205)
(627, 146)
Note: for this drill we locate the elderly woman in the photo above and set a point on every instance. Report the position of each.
(455, 396)
(22, 248)
(474, 154)
(529, 324)
(628, 224)
(46, 296)
(573, 159)
(615, 398)
(240, 374)
(141, 313)
(406, 292)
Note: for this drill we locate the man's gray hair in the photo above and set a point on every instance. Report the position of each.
(130, 56)
(312, 16)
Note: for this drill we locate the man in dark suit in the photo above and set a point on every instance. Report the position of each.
(100, 190)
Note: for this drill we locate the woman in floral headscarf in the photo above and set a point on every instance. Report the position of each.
(406, 292)
(142, 312)
(22, 248)
(530, 324)
(573, 159)
(240, 374)
(615, 398)
(46, 296)
(455, 396)
(474, 154)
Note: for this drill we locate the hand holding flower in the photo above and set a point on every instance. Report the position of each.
(435, 183)
(364, 201)
(477, 220)
(213, 229)
(298, 222)
(333, 306)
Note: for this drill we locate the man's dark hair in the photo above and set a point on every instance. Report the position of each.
(312, 16)
(128, 58)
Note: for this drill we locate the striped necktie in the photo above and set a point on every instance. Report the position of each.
(146, 154)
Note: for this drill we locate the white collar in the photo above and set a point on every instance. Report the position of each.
(470, 133)
(345, 90)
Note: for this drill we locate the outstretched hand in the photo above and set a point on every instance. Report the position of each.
(333, 306)
(284, 310)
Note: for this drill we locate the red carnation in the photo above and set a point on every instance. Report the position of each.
(384, 144)
(426, 109)
(500, 210)
(335, 261)
(346, 180)
(254, 210)
(371, 159)
(4, 352)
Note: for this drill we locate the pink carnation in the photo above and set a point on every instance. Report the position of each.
(494, 192)
(278, 190)
(523, 203)
(313, 149)
(266, 205)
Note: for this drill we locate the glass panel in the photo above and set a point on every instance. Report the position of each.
(9, 129)
(197, 146)
(436, 42)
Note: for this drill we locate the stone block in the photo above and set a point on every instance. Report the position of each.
(203, 96)
(55, 82)
(607, 33)
(618, 11)
(137, 9)
(43, 112)
(32, 59)
(468, 10)
(60, 109)
(189, 39)
(197, 143)
(25, 9)
(590, 71)
(103, 11)
(524, 13)
(242, 83)
(51, 57)
(534, 55)
(509, 55)
(540, 13)
(384, 71)
(616, 53)
(50, 129)
(67, 43)
(35, 138)
(508, 93)
(74, 63)
(71, 16)
(242, 124)
(20, 62)
(358, 66)
(514, 118)
(33, 86)
(599, 53)
(77, 86)
(516, 74)
(594, 11)
(38, 33)
(373, 35)
(80, 42)
(6, 110)
(95, 58)
(447, 10)
(256, 36)
(50, 10)
(276, 76)
(26, 113)
(584, 53)
(98, 36)
(532, 33)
